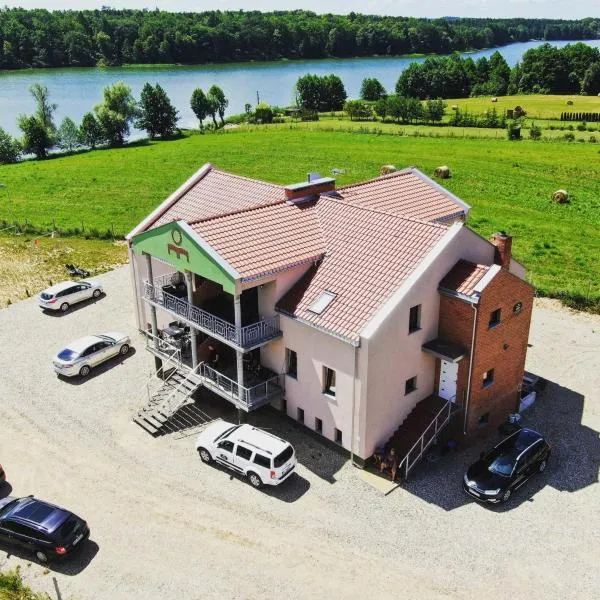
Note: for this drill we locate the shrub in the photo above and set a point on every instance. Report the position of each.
(569, 137)
(513, 130)
(359, 110)
(10, 148)
(535, 132)
(263, 113)
(592, 139)
(582, 126)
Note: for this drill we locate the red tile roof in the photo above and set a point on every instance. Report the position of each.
(220, 193)
(408, 193)
(463, 277)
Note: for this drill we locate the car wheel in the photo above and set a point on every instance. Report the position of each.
(84, 371)
(96, 293)
(205, 456)
(255, 480)
(124, 349)
(41, 556)
(64, 307)
(542, 466)
(506, 496)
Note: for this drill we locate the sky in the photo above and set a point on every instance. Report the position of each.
(562, 9)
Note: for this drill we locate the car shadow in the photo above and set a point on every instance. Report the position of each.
(5, 489)
(73, 308)
(573, 465)
(100, 369)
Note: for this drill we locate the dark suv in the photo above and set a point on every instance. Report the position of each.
(41, 528)
(507, 467)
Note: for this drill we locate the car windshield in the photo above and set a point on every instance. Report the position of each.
(282, 458)
(501, 462)
(226, 432)
(67, 354)
(46, 296)
(68, 529)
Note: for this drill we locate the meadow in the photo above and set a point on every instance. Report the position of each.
(508, 184)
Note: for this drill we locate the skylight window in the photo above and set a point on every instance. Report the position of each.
(322, 302)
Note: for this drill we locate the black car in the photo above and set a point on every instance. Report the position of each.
(507, 467)
(39, 527)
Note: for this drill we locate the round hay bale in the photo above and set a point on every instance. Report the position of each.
(455, 107)
(570, 102)
(494, 99)
(387, 169)
(560, 197)
(442, 172)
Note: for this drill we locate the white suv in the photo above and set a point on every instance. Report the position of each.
(262, 457)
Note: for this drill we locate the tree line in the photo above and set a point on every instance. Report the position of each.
(40, 38)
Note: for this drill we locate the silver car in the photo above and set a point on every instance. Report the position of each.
(82, 355)
(63, 295)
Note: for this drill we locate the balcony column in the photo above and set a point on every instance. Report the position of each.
(153, 319)
(189, 280)
(237, 309)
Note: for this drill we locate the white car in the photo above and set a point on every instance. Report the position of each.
(258, 455)
(63, 295)
(82, 355)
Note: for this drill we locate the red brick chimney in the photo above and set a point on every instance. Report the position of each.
(307, 191)
(503, 254)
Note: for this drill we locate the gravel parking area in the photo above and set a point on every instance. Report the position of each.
(166, 526)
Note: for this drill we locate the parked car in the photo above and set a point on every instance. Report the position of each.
(2, 475)
(495, 476)
(63, 295)
(258, 455)
(82, 355)
(48, 531)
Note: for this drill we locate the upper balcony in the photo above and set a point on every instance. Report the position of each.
(161, 293)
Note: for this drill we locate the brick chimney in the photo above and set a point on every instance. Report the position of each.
(308, 191)
(503, 254)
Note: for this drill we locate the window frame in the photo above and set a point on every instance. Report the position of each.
(408, 391)
(288, 362)
(495, 322)
(247, 450)
(300, 413)
(488, 378)
(338, 436)
(319, 425)
(417, 326)
(329, 377)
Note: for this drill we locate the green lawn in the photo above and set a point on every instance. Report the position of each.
(509, 185)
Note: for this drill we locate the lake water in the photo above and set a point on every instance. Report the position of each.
(77, 90)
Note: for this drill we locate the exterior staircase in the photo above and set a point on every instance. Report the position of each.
(419, 431)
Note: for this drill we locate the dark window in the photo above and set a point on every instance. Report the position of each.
(338, 436)
(282, 458)
(410, 385)
(518, 307)
(291, 361)
(483, 420)
(69, 529)
(226, 445)
(19, 529)
(329, 379)
(301, 415)
(414, 319)
(501, 463)
(90, 350)
(66, 292)
(243, 452)
(46, 296)
(495, 318)
(284, 406)
(318, 425)
(262, 461)
(488, 378)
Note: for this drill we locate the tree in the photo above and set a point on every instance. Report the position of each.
(116, 113)
(200, 106)
(371, 89)
(90, 131)
(434, 110)
(68, 135)
(321, 93)
(218, 102)
(156, 113)
(44, 108)
(358, 109)
(36, 137)
(10, 148)
(334, 93)
(381, 108)
(263, 113)
(591, 80)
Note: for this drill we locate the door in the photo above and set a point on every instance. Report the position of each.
(448, 378)
(224, 453)
(242, 458)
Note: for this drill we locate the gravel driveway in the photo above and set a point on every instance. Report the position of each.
(166, 526)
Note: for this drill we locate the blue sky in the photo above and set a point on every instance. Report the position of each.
(564, 9)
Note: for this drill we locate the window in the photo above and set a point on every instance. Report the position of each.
(338, 436)
(518, 307)
(414, 319)
(318, 425)
(301, 415)
(488, 378)
(18, 529)
(495, 318)
(283, 457)
(262, 461)
(410, 385)
(284, 406)
(226, 445)
(242, 452)
(319, 305)
(291, 362)
(483, 420)
(329, 381)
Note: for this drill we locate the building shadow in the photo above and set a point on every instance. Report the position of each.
(557, 414)
(73, 308)
(100, 369)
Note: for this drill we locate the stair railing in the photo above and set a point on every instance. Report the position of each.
(170, 405)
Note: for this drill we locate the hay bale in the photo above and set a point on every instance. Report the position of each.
(494, 99)
(442, 172)
(560, 197)
(570, 102)
(455, 106)
(387, 169)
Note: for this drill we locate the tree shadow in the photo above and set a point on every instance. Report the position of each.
(573, 465)
(100, 369)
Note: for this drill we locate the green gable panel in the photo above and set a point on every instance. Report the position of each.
(173, 244)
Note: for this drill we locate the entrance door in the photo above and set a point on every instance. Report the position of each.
(448, 377)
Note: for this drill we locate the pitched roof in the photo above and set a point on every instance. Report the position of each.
(369, 255)
(409, 193)
(463, 277)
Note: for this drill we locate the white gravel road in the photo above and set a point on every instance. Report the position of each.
(164, 526)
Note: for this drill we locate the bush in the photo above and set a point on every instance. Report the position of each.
(359, 110)
(592, 139)
(582, 126)
(513, 130)
(263, 113)
(535, 132)
(10, 148)
(569, 137)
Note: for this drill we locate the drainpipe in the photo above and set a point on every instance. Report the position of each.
(239, 355)
(353, 407)
(189, 280)
(153, 319)
(474, 307)
(134, 283)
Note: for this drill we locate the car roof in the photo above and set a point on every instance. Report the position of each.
(521, 440)
(259, 439)
(59, 287)
(83, 343)
(39, 514)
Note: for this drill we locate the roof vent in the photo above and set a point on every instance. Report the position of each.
(308, 191)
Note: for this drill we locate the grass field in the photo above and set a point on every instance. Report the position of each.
(508, 184)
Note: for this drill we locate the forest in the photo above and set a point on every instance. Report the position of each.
(40, 38)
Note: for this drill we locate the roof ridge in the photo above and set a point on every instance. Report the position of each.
(405, 171)
(236, 212)
(252, 179)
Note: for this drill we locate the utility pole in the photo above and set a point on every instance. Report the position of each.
(257, 98)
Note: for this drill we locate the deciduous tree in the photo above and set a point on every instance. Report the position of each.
(116, 113)
(200, 106)
(157, 115)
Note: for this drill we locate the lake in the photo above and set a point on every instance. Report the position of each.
(77, 90)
